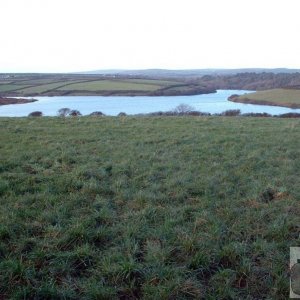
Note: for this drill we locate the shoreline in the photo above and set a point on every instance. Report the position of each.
(237, 99)
(9, 100)
(117, 93)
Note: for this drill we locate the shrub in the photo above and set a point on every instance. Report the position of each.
(231, 112)
(198, 113)
(122, 114)
(289, 115)
(97, 114)
(74, 113)
(63, 112)
(256, 115)
(35, 114)
(174, 113)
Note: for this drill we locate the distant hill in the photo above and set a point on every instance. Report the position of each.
(251, 81)
(189, 73)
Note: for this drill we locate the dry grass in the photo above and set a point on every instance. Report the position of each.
(281, 97)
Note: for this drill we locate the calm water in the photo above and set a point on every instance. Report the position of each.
(212, 103)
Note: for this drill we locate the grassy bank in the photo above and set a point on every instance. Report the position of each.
(148, 208)
(276, 97)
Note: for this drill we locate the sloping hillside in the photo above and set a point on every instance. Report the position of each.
(276, 97)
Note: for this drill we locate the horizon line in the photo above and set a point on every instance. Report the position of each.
(147, 69)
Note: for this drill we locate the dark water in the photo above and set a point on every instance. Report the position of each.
(212, 103)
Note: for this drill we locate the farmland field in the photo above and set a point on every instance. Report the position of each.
(41, 88)
(30, 85)
(111, 85)
(148, 208)
(11, 87)
(278, 97)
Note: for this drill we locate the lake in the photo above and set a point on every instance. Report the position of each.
(113, 105)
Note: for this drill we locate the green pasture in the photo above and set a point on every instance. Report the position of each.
(110, 85)
(148, 207)
(276, 96)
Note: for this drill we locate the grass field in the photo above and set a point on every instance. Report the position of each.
(148, 208)
(154, 81)
(31, 85)
(112, 85)
(42, 88)
(278, 97)
(11, 87)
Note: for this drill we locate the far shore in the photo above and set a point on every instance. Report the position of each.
(129, 93)
(7, 101)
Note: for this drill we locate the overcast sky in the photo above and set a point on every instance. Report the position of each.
(77, 35)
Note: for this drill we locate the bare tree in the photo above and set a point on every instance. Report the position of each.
(183, 108)
(63, 112)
